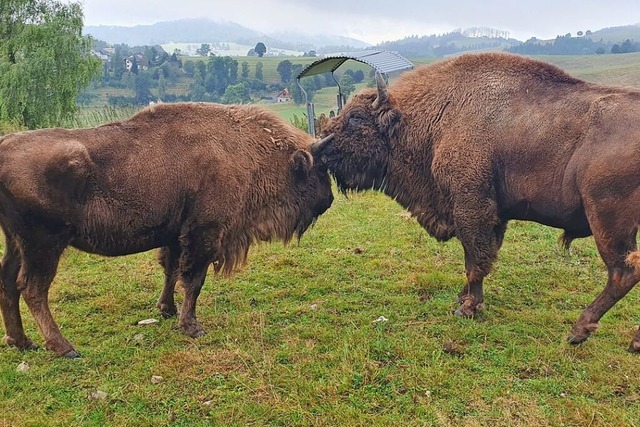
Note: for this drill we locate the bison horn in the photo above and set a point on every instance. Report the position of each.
(317, 147)
(383, 93)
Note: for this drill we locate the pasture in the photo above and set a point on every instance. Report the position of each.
(351, 326)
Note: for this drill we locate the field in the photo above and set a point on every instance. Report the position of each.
(352, 326)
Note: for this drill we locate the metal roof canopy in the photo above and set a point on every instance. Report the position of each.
(382, 61)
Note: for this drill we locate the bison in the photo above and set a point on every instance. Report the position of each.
(200, 181)
(467, 144)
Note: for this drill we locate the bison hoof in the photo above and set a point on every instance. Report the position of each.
(167, 310)
(199, 334)
(21, 344)
(71, 355)
(468, 310)
(194, 329)
(580, 333)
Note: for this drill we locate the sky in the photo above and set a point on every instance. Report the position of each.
(374, 21)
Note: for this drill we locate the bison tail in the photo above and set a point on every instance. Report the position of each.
(565, 242)
(633, 260)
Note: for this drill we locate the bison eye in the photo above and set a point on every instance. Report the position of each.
(356, 121)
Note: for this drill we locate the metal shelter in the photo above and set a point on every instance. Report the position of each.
(382, 61)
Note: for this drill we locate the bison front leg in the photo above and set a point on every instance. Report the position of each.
(481, 235)
(34, 279)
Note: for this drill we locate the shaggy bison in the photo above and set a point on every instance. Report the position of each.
(200, 181)
(470, 143)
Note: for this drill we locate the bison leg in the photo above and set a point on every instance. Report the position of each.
(615, 238)
(471, 298)
(193, 280)
(34, 279)
(169, 257)
(196, 256)
(634, 347)
(621, 280)
(481, 244)
(10, 296)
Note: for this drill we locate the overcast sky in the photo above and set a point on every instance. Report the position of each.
(374, 21)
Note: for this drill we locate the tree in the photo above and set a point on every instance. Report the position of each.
(162, 87)
(232, 66)
(143, 88)
(204, 49)
(134, 66)
(189, 68)
(260, 49)
(245, 70)
(45, 62)
(284, 69)
(237, 94)
(346, 85)
(259, 70)
(117, 62)
(197, 91)
(296, 93)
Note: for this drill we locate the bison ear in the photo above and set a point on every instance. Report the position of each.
(383, 92)
(301, 164)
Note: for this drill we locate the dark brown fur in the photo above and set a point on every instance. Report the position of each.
(201, 181)
(470, 143)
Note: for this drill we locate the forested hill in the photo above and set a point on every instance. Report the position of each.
(624, 39)
(450, 43)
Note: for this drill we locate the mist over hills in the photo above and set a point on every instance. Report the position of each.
(198, 31)
(208, 31)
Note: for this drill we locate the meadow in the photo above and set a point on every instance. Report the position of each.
(351, 326)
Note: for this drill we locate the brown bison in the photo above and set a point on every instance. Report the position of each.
(470, 143)
(200, 181)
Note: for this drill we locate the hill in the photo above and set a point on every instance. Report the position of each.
(450, 43)
(207, 31)
(617, 34)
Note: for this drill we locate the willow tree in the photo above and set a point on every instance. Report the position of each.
(44, 61)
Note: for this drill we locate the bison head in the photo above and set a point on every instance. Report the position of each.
(313, 187)
(359, 140)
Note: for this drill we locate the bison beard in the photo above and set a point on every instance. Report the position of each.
(200, 181)
(470, 143)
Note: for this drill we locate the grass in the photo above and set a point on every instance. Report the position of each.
(293, 338)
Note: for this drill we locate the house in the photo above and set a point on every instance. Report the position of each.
(141, 61)
(283, 95)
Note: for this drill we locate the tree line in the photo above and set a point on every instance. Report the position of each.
(569, 45)
(211, 78)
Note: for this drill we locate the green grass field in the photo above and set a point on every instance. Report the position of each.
(293, 337)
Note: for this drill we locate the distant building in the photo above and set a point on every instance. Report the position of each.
(283, 96)
(141, 60)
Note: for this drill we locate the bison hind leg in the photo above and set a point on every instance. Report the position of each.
(169, 257)
(615, 237)
(198, 249)
(10, 297)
